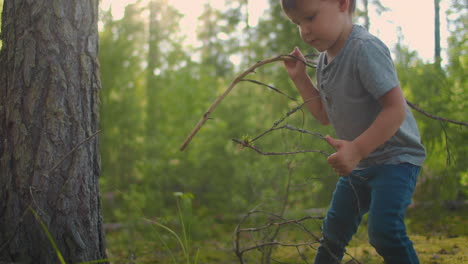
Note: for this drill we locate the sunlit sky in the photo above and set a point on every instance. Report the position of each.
(414, 17)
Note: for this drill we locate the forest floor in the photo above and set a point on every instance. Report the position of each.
(440, 236)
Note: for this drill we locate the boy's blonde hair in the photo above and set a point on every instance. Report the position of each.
(289, 5)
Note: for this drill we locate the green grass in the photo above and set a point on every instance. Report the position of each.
(431, 249)
(438, 239)
(54, 245)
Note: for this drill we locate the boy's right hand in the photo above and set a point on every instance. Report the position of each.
(295, 68)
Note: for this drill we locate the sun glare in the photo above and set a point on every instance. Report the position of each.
(417, 33)
(191, 11)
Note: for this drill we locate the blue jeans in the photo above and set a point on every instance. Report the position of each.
(383, 191)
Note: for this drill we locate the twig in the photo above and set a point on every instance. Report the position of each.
(239, 252)
(269, 86)
(71, 151)
(415, 107)
(266, 254)
(289, 127)
(253, 229)
(303, 257)
(292, 111)
(447, 148)
(236, 234)
(246, 144)
(276, 243)
(299, 224)
(239, 78)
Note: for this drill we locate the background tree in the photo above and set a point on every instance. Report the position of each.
(49, 158)
(220, 180)
(442, 91)
(121, 95)
(363, 13)
(213, 36)
(162, 55)
(437, 57)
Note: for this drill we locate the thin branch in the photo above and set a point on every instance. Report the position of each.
(415, 107)
(289, 127)
(307, 62)
(240, 253)
(266, 254)
(246, 144)
(254, 229)
(303, 257)
(236, 234)
(269, 86)
(71, 151)
(446, 143)
(251, 69)
(276, 243)
(298, 223)
(292, 111)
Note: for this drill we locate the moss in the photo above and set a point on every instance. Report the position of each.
(432, 247)
(436, 250)
(438, 220)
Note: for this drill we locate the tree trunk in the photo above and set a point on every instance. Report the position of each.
(366, 14)
(437, 57)
(151, 78)
(49, 161)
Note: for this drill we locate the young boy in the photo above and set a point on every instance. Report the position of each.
(378, 148)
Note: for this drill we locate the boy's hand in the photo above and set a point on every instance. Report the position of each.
(346, 157)
(296, 69)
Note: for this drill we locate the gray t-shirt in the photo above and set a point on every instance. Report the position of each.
(350, 87)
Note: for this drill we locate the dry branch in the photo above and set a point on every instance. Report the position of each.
(262, 244)
(269, 86)
(239, 251)
(246, 144)
(443, 119)
(71, 152)
(253, 229)
(251, 69)
(238, 79)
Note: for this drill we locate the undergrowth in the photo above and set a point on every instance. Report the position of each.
(439, 238)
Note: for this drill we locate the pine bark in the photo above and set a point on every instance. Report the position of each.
(49, 104)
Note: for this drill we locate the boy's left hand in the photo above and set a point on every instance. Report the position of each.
(346, 157)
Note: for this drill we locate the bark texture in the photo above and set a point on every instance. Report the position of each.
(49, 84)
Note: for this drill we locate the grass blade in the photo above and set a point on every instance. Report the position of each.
(49, 236)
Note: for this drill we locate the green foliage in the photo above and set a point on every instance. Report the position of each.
(154, 91)
(441, 92)
(185, 241)
(122, 98)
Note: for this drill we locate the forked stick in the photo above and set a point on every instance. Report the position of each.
(240, 78)
(233, 83)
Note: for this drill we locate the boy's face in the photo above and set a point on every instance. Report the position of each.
(321, 22)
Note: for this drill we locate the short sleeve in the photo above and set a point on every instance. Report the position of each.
(375, 66)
